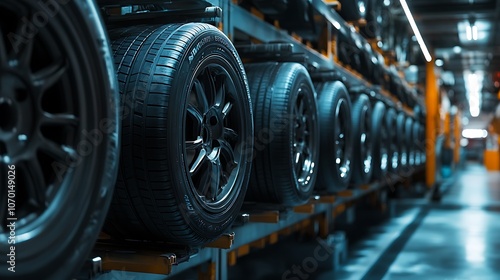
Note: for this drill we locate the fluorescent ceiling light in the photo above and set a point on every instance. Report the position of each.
(471, 30)
(474, 133)
(474, 32)
(475, 111)
(468, 32)
(413, 25)
(473, 84)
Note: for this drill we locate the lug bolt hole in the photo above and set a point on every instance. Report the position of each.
(3, 149)
(21, 95)
(8, 118)
(213, 121)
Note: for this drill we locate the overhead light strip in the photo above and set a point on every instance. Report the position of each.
(474, 32)
(413, 25)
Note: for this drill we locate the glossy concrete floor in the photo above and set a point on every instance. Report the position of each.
(457, 238)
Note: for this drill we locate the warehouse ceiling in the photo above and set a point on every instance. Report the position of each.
(443, 24)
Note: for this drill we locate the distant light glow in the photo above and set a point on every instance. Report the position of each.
(464, 142)
(413, 25)
(387, 2)
(362, 8)
(439, 62)
(474, 133)
(473, 84)
(475, 111)
(457, 49)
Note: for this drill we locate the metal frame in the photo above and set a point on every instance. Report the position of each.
(235, 18)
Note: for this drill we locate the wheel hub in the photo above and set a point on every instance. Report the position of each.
(15, 127)
(212, 130)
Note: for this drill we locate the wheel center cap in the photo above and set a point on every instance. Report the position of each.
(213, 125)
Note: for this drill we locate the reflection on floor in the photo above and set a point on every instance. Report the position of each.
(458, 238)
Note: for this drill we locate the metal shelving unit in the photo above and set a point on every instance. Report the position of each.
(256, 228)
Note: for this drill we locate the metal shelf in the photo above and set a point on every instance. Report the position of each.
(171, 260)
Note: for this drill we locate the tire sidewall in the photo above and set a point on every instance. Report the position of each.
(205, 45)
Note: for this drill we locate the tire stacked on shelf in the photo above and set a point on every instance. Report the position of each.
(362, 56)
(423, 147)
(410, 143)
(345, 47)
(381, 140)
(393, 151)
(353, 10)
(362, 140)
(401, 142)
(417, 144)
(272, 8)
(373, 17)
(334, 106)
(187, 134)
(59, 140)
(286, 134)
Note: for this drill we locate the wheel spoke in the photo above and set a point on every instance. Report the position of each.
(230, 134)
(194, 145)
(201, 96)
(60, 119)
(48, 76)
(300, 108)
(58, 152)
(220, 96)
(228, 153)
(209, 84)
(23, 51)
(227, 108)
(215, 178)
(196, 114)
(299, 150)
(36, 186)
(3, 49)
(198, 161)
(3, 194)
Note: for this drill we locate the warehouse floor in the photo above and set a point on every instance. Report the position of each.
(457, 238)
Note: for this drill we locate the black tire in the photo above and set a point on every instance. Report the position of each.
(273, 8)
(372, 29)
(410, 143)
(187, 134)
(351, 9)
(391, 122)
(423, 148)
(286, 126)
(334, 107)
(61, 133)
(402, 149)
(346, 49)
(381, 141)
(417, 144)
(362, 138)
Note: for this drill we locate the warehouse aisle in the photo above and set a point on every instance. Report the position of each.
(459, 237)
